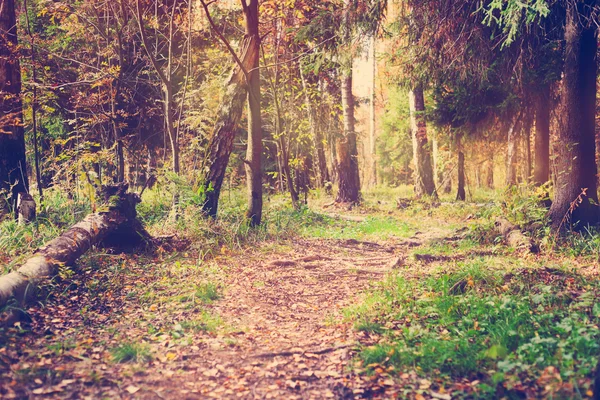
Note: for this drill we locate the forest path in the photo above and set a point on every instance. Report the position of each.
(294, 345)
(280, 334)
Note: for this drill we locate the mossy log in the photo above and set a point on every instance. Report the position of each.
(119, 216)
(514, 237)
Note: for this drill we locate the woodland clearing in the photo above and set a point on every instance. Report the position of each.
(387, 303)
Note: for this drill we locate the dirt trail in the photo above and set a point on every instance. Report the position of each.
(286, 340)
(288, 349)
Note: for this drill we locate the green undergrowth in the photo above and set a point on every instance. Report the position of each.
(55, 214)
(496, 321)
(131, 352)
(371, 228)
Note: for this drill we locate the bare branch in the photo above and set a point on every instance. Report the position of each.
(140, 21)
(224, 40)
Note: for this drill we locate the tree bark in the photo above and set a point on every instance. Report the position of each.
(25, 209)
(13, 165)
(527, 124)
(346, 151)
(512, 151)
(461, 194)
(228, 118)
(254, 150)
(423, 173)
(490, 170)
(372, 115)
(541, 173)
(575, 198)
(34, 107)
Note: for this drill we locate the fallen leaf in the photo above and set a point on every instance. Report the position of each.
(440, 396)
(132, 389)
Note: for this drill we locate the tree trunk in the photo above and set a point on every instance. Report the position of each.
(285, 166)
(575, 197)
(541, 172)
(25, 209)
(34, 108)
(461, 194)
(423, 173)
(373, 116)
(437, 172)
(228, 118)
(511, 151)
(317, 135)
(346, 151)
(490, 170)
(528, 123)
(254, 150)
(13, 167)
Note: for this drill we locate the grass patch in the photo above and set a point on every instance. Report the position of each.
(500, 330)
(373, 228)
(207, 292)
(206, 322)
(131, 352)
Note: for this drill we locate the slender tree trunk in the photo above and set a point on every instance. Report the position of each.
(34, 107)
(254, 150)
(512, 151)
(285, 165)
(423, 173)
(317, 135)
(372, 116)
(283, 159)
(166, 78)
(478, 180)
(461, 194)
(575, 196)
(228, 118)
(527, 125)
(346, 151)
(13, 167)
(490, 170)
(541, 172)
(437, 174)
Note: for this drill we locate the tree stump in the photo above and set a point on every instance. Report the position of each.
(25, 208)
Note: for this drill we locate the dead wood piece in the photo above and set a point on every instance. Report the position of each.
(402, 203)
(20, 286)
(291, 353)
(459, 287)
(25, 208)
(429, 258)
(514, 237)
(398, 263)
(315, 257)
(410, 243)
(282, 263)
(354, 242)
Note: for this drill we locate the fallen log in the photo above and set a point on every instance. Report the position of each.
(514, 237)
(118, 216)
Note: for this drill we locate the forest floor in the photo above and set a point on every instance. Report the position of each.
(351, 304)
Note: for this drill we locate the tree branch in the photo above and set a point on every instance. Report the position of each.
(160, 73)
(224, 40)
